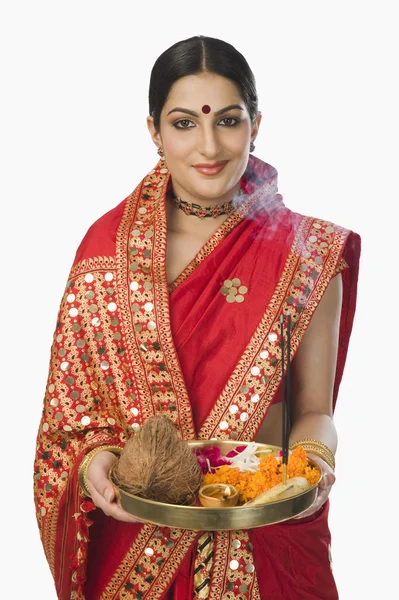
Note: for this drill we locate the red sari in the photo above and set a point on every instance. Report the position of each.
(205, 352)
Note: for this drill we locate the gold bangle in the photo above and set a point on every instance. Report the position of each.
(324, 456)
(84, 465)
(317, 448)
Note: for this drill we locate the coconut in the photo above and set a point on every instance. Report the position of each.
(156, 464)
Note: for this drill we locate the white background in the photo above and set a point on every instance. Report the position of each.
(74, 80)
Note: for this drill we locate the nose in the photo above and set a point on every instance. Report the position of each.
(209, 143)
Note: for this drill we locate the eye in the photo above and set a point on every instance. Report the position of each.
(229, 122)
(184, 124)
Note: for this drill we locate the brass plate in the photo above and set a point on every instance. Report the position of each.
(199, 518)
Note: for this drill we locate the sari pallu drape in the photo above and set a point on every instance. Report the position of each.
(293, 559)
(127, 361)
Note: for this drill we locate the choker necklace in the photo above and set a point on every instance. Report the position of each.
(202, 212)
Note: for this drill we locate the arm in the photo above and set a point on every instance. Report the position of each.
(313, 374)
(313, 371)
(80, 413)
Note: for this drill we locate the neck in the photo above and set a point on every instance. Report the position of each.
(187, 196)
(179, 222)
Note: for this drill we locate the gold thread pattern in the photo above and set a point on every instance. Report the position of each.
(151, 563)
(237, 580)
(146, 312)
(97, 263)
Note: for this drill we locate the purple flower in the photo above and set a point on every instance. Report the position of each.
(210, 458)
(236, 451)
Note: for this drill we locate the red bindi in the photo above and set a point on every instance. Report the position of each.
(206, 109)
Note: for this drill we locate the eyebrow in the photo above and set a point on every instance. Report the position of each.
(194, 114)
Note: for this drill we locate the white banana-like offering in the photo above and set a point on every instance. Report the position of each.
(293, 486)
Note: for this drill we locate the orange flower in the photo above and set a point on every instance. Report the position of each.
(269, 474)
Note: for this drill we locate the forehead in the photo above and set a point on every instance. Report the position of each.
(195, 91)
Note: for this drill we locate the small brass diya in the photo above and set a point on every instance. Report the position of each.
(218, 495)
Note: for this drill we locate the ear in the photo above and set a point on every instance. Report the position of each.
(255, 126)
(154, 133)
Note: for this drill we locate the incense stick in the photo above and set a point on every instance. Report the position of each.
(288, 391)
(283, 403)
(285, 393)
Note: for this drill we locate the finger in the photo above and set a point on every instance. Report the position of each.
(111, 509)
(325, 482)
(108, 491)
(102, 486)
(118, 513)
(322, 495)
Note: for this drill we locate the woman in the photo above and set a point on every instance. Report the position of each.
(173, 305)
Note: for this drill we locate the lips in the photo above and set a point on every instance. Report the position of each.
(210, 169)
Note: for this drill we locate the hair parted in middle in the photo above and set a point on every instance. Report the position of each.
(200, 54)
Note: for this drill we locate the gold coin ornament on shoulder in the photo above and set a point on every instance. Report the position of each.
(234, 290)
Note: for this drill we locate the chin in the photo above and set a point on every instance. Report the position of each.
(213, 187)
(211, 191)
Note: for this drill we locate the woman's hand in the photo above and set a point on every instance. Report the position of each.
(101, 489)
(325, 485)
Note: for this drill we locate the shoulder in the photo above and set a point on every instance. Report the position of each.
(320, 230)
(100, 238)
(317, 238)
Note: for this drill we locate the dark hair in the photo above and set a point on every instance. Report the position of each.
(200, 54)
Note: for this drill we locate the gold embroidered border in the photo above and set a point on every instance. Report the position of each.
(146, 312)
(151, 563)
(65, 559)
(92, 264)
(233, 575)
(341, 266)
(161, 297)
(122, 245)
(49, 536)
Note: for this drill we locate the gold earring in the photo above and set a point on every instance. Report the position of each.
(251, 147)
(160, 152)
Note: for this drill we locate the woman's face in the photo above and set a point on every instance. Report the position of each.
(205, 150)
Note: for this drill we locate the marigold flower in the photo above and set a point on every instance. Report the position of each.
(269, 474)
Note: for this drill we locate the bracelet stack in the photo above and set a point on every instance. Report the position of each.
(84, 465)
(317, 448)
